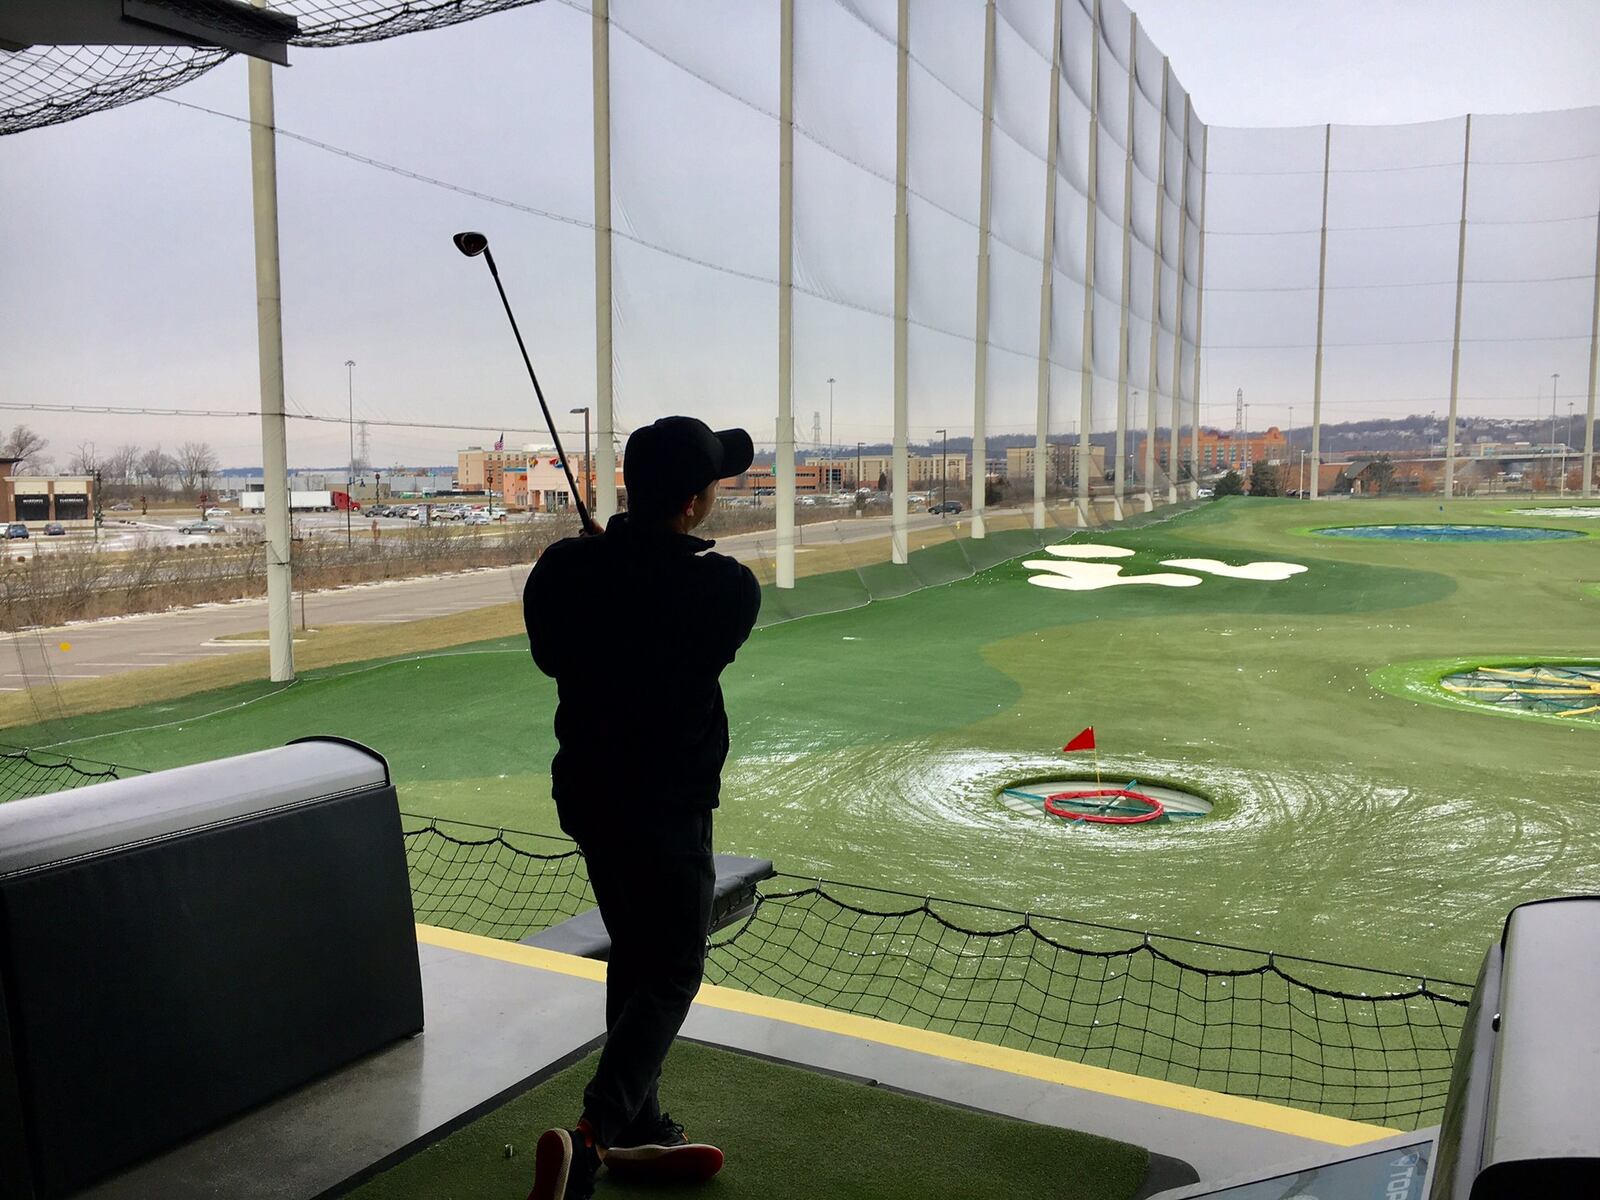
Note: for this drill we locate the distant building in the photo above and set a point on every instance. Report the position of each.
(490, 471)
(1063, 461)
(851, 471)
(1221, 452)
(37, 499)
(479, 470)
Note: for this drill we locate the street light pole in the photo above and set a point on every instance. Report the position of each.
(859, 445)
(1566, 444)
(830, 434)
(944, 466)
(588, 474)
(1555, 378)
(350, 465)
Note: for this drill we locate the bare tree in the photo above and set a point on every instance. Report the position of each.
(27, 447)
(121, 464)
(155, 466)
(85, 460)
(195, 461)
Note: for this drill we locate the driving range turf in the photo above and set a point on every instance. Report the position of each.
(857, 1140)
(1353, 822)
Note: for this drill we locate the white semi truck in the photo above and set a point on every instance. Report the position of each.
(319, 501)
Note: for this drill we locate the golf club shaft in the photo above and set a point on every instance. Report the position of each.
(577, 494)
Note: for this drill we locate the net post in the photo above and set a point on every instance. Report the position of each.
(901, 466)
(1176, 433)
(605, 420)
(1041, 440)
(1455, 344)
(979, 475)
(785, 499)
(1199, 306)
(1153, 392)
(1322, 282)
(1594, 372)
(1120, 471)
(269, 351)
(1086, 358)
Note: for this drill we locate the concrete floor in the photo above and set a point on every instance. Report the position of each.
(497, 1024)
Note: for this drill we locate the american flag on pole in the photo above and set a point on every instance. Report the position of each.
(500, 442)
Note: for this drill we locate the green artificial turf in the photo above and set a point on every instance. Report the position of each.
(788, 1134)
(869, 743)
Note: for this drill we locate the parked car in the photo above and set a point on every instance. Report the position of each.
(122, 506)
(477, 518)
(949, 506)
(217, 512)
(202, 527)
(55, 529)
(16, 530)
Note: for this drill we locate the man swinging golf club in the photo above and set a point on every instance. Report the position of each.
(636, 625)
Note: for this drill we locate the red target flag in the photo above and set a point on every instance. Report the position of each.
(1084, 741)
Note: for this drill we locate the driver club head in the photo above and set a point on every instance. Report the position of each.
(471, 243)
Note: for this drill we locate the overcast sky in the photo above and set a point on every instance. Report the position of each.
(126, 244)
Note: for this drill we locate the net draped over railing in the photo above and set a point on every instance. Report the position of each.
(39, 772)
(46, 85)
(1342, 1040)
(488, 882)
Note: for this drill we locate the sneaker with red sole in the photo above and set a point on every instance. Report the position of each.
(564, 1165)
(665, 1156)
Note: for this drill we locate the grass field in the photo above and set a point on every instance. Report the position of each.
(791, 1134)
(1353, 821)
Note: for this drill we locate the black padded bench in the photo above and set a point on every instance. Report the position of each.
(585, 934)
(176, 948)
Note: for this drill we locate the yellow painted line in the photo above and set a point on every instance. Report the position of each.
(1259, 1114)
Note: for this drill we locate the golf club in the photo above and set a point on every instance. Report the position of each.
(473, 244)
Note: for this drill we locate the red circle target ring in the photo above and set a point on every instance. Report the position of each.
(1110, 796)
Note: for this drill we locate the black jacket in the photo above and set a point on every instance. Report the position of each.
(635, 627)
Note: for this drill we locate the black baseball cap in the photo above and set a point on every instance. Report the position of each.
(670, 460)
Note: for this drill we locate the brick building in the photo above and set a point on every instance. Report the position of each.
(1220, 452)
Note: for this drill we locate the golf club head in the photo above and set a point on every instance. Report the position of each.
(471, 243)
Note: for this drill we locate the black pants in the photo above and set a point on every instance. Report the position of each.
(653, 879)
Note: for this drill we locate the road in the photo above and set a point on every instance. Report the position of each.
(95, 649)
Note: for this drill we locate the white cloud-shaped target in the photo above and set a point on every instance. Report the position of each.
(1092, 576)
(1272, 572)
(1087, 550)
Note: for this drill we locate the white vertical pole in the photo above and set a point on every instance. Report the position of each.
(980, 368)
(1322, 282)
(1594, 370)
(901, 468)
(269, 353)
(1455, 345)
(1121, 471)
(1041, 439)
(1151, 398)
(785, 464)
(1174, 438)
(1199, 313)
(1086, 371)
(605, 422)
